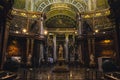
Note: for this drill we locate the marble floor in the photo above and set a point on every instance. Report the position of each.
(46, 73)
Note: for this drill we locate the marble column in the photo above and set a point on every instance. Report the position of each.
(91, 49)
(32, 43)
(27, 2)
(79, 51)
(93, 46)
(28, 24)
(41, 36)
(79, 24)
(73, 38)
(1, 38)
(5, 38)
(89, 5)
(95, 2)
(28, 46)
(66, 46)
(41, 27)
(32, 5)
(41, 51)
(54, 52)
(30, 54)
(89, 46)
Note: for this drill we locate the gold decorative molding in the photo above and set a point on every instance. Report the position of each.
(32, 14)
(25, 13)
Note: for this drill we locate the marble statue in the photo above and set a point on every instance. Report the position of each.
(60, 51)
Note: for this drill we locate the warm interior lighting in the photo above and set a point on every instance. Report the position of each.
(71, 74)
(75, 32)
(87, 16)
(23, 14)
(34, 16)
(13, 49)
(98, 14)
(14, 12)
(104, 32)
(96, 31)
(50, 34)
(107, 12)
(45, 32)
(16, 32)
(107, 41)
(24, 30)
(48, 77)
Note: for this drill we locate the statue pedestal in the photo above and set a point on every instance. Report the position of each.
(61, 66)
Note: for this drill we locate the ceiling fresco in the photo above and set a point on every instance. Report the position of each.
(60, 21)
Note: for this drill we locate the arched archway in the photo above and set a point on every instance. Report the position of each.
(81, 5)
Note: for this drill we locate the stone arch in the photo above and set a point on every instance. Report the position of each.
(81, 6)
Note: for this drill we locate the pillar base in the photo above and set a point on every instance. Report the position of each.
(60, 66)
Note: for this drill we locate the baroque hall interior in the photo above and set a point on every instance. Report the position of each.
(59, 40)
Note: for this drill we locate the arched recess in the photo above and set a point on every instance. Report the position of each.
(66, 8)
(59, 14)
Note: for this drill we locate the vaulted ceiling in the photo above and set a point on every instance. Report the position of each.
(36, 5)
(61, 13)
